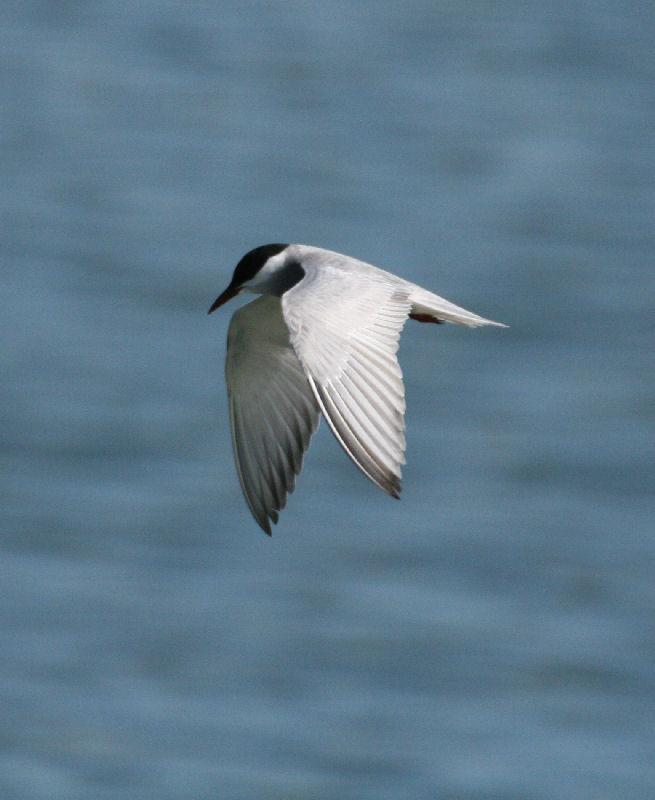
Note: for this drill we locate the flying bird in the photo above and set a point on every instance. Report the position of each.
(322, 338)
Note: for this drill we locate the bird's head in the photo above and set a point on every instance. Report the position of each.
(268, 269)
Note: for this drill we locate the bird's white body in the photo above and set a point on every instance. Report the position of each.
(322, 338)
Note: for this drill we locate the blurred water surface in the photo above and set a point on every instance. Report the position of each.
(492, 635)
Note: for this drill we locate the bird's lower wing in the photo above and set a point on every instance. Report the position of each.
(273, 410)
(346, 337)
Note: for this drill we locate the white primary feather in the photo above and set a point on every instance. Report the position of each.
(345, 331)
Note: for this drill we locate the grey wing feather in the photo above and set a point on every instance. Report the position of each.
(273, 411)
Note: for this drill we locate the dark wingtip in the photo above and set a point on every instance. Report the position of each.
(264, 524)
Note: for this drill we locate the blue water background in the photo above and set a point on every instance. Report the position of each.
(489, 637)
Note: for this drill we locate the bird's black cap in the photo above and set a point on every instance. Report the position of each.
(246, 270)
(253, 261)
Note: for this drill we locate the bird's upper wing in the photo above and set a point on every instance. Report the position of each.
(273, 411)
(344, 328)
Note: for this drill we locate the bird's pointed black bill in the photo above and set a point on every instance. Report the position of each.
(228, 294)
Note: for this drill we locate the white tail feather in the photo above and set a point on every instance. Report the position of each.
(431, 305)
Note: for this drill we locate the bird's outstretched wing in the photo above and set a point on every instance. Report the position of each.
(345, 334)
(273, 411)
